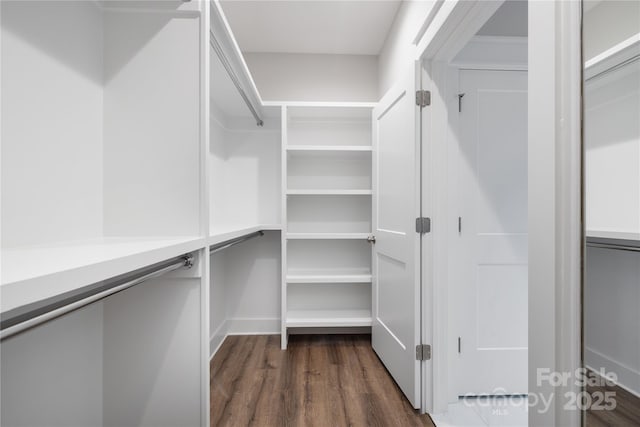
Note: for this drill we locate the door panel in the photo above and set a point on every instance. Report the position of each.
(491, 252)
(396, 297)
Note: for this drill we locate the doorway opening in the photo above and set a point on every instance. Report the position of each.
(477, 187)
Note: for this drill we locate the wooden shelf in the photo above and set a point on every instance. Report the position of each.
(327, 236)
(31, 274)
(329, 192)
(328, 318)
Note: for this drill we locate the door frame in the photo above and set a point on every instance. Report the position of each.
(555, 197)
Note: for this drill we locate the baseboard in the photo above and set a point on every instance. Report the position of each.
(628, 378)
(352, 330)
(217, 338)
(252, 326)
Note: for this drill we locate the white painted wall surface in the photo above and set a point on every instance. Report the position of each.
(609, 23)
(398, 49)
(53, 374)
(245, 289)
(51, 107)
(314, 77)
(245, 176)
(611, 318)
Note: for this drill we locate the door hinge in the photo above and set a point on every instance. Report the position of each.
(423, 352)
(423, 225)
(423, 98)
(371, 239)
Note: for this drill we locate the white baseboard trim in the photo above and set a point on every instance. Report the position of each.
(351, 330)
(628, 378)
(217, 338)
(252, 326)
(242, 326)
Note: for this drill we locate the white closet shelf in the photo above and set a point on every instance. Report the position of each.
(328, 276)
(339, 148)
(327, 236)
(328, 318)
(30, 274)
(613, 234)
(219, 235)
(329, 192)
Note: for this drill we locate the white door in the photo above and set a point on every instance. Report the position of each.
(489, 259)
(396, 292)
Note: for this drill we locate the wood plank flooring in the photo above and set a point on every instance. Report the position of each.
(321, 380)
(626, 412)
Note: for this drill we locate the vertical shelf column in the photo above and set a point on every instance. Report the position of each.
(327, 187)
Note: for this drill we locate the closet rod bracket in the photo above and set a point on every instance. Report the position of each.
(188, 260)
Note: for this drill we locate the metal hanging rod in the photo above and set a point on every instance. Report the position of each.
(227, 244)
(234, 78)
(22, 318)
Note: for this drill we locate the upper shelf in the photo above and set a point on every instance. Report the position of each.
(618, 54)
(617, 235)
(329, 148)
(329, 192)
(222, 235)
(235, 95)
(31, 274)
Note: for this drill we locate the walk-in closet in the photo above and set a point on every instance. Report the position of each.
(316, 213)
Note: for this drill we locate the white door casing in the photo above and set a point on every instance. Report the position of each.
(396, 265)
(489, 269)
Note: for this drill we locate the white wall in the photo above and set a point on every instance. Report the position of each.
(245, 176)
(52, 374)
(314, 77)
(245, 289)
(51, 107)
(611, 317)
(608, 23)
(398, 49)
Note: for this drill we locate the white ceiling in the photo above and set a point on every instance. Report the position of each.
(311, 26)
(510, 20)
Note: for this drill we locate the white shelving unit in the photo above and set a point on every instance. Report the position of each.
(327, 161)
(102, 174)
(612, 142)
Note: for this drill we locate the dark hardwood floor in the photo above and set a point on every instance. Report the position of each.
(625, 414)
(320, 380)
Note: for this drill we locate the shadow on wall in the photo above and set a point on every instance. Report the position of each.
(52, 28)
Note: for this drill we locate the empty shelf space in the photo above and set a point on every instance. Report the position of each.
(329, 126)
(327, 192)
(329, 257)
(67, 266)
(329, 214)
(320, 170)
(327, 236)
(328, 318)
(329, 148)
